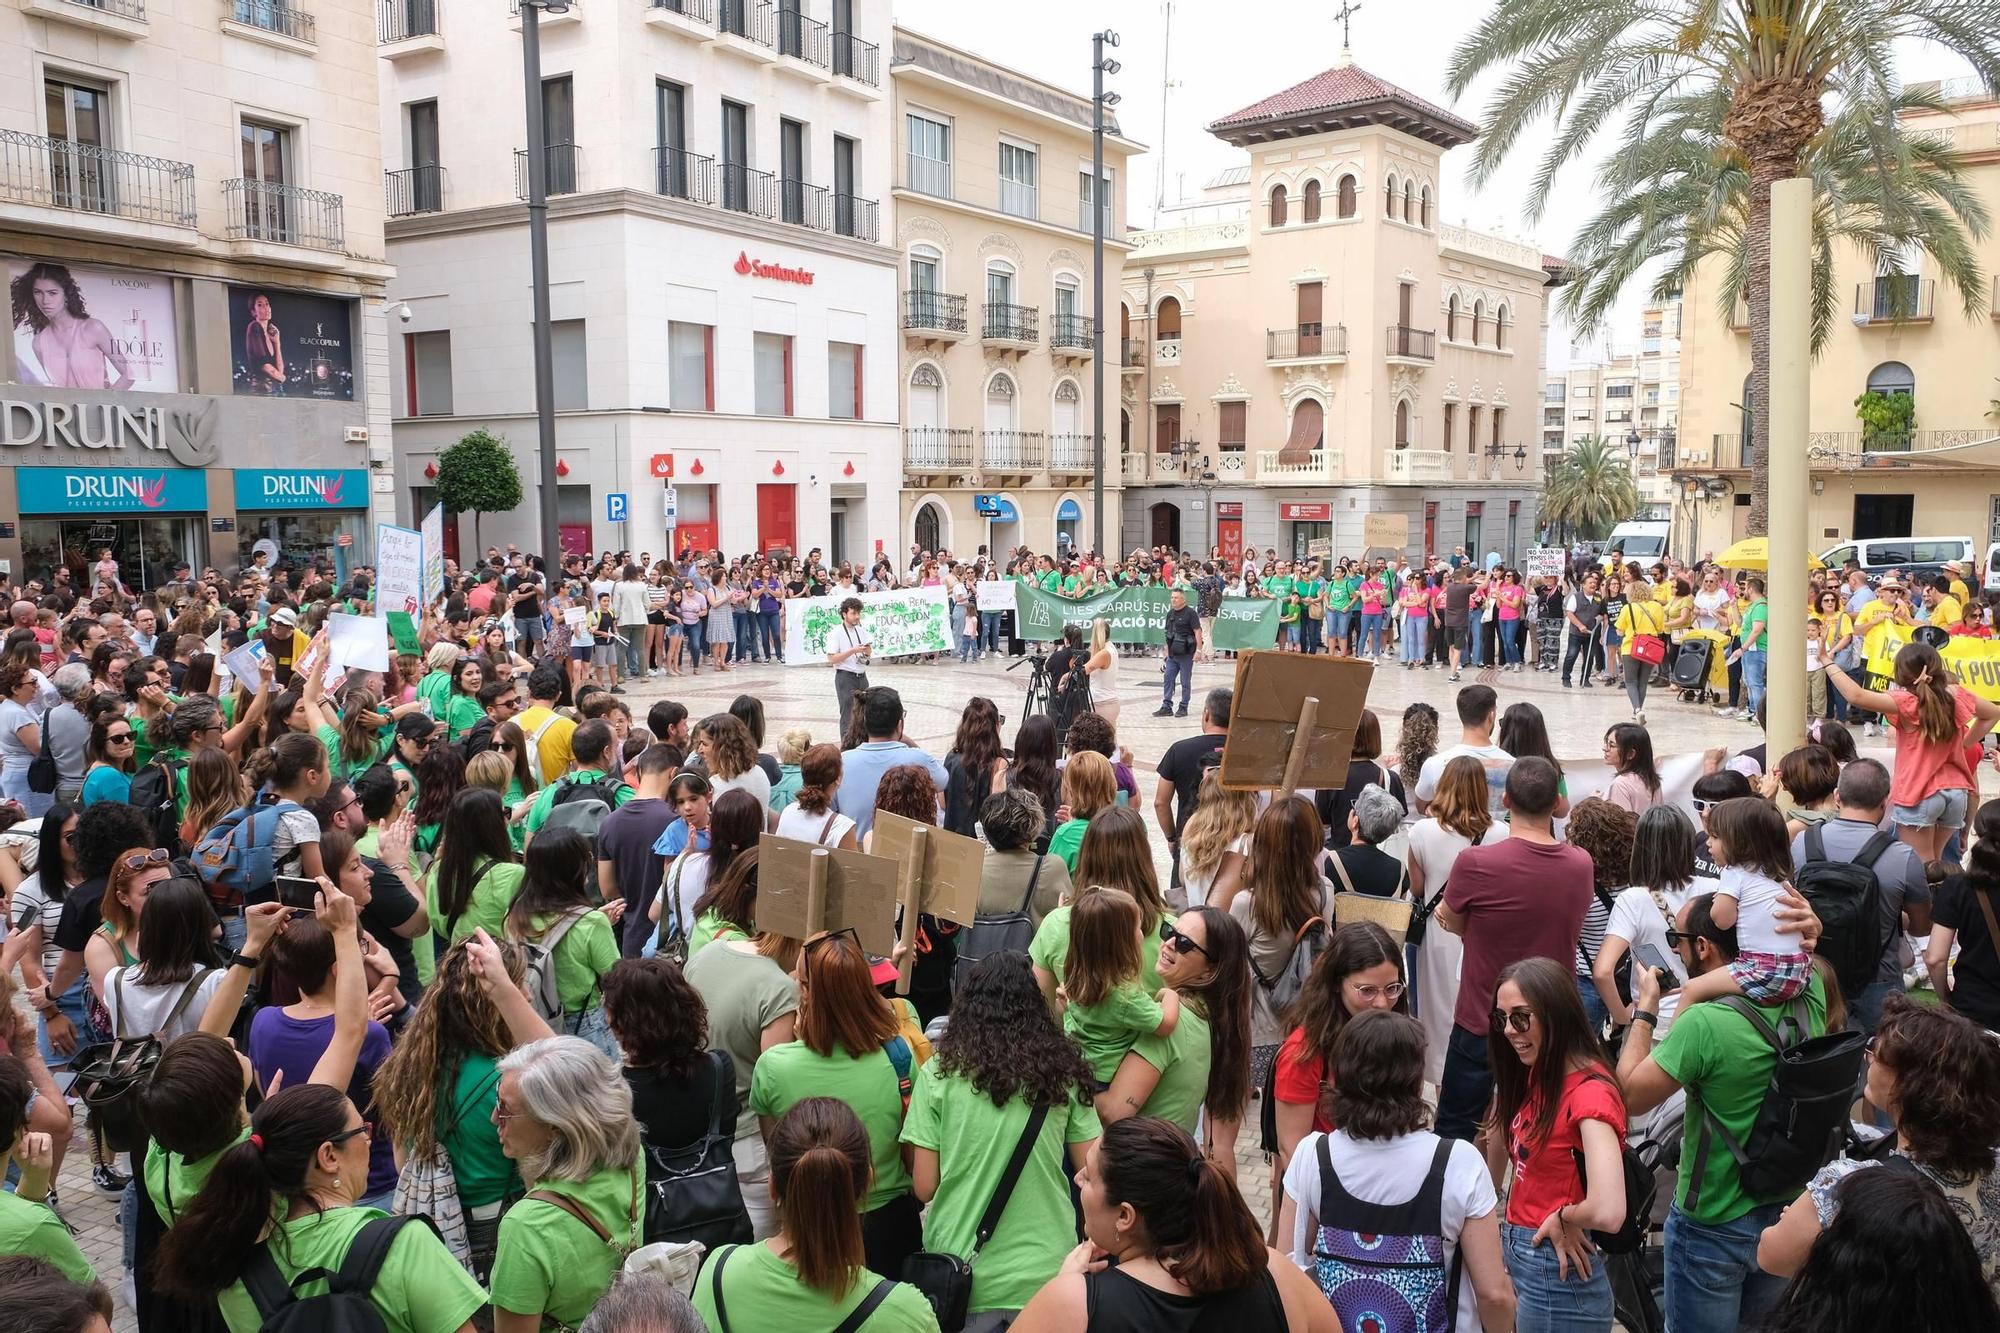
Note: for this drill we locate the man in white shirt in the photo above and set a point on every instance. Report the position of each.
(848, 650)
(1477, 710)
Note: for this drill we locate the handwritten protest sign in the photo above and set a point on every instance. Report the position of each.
(399, 569)
(1544, 562)
(244, 663)
(803, 889)
(1382, 529)
(899, 623)
(433, 533)
(996, 594)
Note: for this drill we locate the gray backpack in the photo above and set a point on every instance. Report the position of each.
(539, 982)
(1002, 932)
(584, 804)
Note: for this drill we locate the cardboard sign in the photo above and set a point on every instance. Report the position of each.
(360, 643)
(399, 568)
(404, 631)
(860, 892)
(1544, 562)
(948, 879)
(1271, 690)
(1386, 530)
(1319, 548)
(576, 617)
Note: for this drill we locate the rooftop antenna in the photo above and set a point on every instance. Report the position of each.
(1348, 9)
(1167, 84)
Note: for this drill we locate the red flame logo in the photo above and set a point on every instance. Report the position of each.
(330, 489)
(742, 263)
(151, 492)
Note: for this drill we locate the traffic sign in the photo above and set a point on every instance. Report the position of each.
(616, 507)
(670, 502)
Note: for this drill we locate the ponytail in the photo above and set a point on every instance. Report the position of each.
(820, 1165)
(206, 1250)
(284, 761)
(1982, 861)
(1201, 1230)
(1921, 670)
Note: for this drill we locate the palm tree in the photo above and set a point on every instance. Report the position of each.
(1591, 490)
(1761, 69)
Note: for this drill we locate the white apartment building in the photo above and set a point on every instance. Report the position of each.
(1631, 398)
(191, 231)
(724, 309)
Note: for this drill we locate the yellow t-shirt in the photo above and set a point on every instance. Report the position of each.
(554, 748)
(1663, 592)
(1642, 617)
(1948, 612)
(1960, 591)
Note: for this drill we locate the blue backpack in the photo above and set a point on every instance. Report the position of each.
(237, 858)
(1383, 1266)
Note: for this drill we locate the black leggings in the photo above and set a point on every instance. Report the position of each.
(891, 1234)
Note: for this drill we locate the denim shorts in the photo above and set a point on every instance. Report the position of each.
(1944, 809)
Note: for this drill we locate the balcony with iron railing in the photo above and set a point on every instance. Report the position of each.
(1010, 450)
(1318, 465)
(937, 450)
(803, 204)
(1306, 342)
(1072, 335)
(856, 217)
(747, 190)
(1408, 344)
(277, 19)
(679, 174)
(1132, 354)
(97, 185)
(408, 26)
(268, 213)
(693, 19)
(1894, 298)
(933, 314)
(1011, 325)
(414, 190)
(804, 39)
(1072, 454)
(857, 60)
(118, 18)
(753, 26)
(562, 168)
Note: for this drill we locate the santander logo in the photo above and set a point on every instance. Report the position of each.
(747, 267)
(149, 492)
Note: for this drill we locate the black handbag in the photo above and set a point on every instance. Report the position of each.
(42, 774)
(1420, 916)
(945, 1279)
(692, 1192)
(108, 1077)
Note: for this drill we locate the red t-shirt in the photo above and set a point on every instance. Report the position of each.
(1545, 1174)
(1296, 1079)
(1520, 899)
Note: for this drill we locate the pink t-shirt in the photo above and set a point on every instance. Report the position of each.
(1371, 597)
(1510, 601)
(1924, 767)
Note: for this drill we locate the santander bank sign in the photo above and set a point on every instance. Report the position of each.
(757, 268)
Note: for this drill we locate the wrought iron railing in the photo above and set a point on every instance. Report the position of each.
(747, 190)
(1419, 344)
(804, 38)
(130, 9)
(804, 205)
(751, 19)
(1305, 340)
(941, 311)
(856, 217)
(1072, 453)
(856, 59)
(561, 168)
(1011, 450)
(415, 190)
(399, 20)
(1011, 323)
(274, 17)
(937, 449)
(284, 214)
(701, 11)
(684, 175)
(1072, 332)
(58, 173)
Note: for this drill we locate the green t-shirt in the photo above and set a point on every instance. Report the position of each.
(549, 1263)
(143, 748)
(1050, 582)
(762, 1291)
(618, 791)
(1050, 949)
(744, 994)
(974, 1139)
(1340, 593)
(792, 1072)
(710, 927)
(1756, 623)
(32, 1228)
(583, 956)
(349, 769)
(465, 1125)
(172, 1181)
(1288, 611)
(1067, 841)
(1182, 1059)
(461, 714)
(1278, 585)
(421, 1288)
(435, 689)
(1107, 1029)
(492, 894)
(1725, 1065)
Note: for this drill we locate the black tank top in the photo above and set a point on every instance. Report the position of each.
(1116, 1303)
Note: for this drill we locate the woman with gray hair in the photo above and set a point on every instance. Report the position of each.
(643, 1303)
(565, 1118)
(1016, 878)
(67, 729)
(1362, 866)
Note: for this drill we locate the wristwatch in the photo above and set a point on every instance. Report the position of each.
(1651, 1020)
(241, 959)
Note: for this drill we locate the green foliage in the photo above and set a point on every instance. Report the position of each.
(1887, 419)
(1591, 490)
(477, 476)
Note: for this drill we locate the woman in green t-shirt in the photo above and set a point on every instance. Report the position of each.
(848, 1047)
(285, 1195)
(1001, 1059)
(461, 710)
(559, 885)
(565, 1118)
(472, 883)
(435, 687)
(813, 1274)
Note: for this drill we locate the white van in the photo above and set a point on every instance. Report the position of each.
(1912, 555)
(1643, 540)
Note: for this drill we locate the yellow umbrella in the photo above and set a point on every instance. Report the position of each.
(1754, 553)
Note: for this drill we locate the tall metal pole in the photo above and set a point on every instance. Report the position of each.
(1097, 296)
(1791, 362)
(538, 265)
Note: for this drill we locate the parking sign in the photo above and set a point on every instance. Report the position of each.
(616, 505)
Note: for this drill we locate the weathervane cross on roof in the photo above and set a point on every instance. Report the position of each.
(1348, 9)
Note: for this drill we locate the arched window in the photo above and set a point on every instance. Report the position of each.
(928, 531)
(1309, 211)
(1451, 319)
(1124, 320)
(1346, 202)
(1499, 425)
(1277, 205)
(1124, 428)
(1424, 203)
(999, 283)
(1409, 202)
(926, 397)
(1478, 318)
(1063, 415)
(1892, 377)
(1167, 323)
(1000, 403)
(1308, 432)
(1500, 321)
(1391, 209)
(1403, 424)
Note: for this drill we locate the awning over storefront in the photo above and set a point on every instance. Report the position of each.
(1069, 511)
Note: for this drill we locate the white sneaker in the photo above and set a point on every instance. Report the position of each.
(1639, 716)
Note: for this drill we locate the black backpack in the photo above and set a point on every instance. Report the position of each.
(1847, 898)
(478, 740)
(344, 1307)
(1000, 932)
(156, 792)
(1803, 1121)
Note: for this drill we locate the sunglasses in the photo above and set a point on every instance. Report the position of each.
(362, 1130)
(1177, 940)
(820, 940)
(118, 738)
(1702, 807)
(139, 861)
(1518, 1018)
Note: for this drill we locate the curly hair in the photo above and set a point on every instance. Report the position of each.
(22, 293)
(661, 1022)
(455, 1019)
(908, 790)
(1605, 831)
(1004, 1042)
(731, 747)
(1417, 741)
(1947, 1074)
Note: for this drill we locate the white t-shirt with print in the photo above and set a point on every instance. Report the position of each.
(295, 827)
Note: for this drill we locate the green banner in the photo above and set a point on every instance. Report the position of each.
(1138, 614)
(1246, 624)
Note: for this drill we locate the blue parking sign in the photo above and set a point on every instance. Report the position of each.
(616, 505)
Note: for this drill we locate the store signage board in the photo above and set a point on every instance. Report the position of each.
(302, 488)
(53, 490)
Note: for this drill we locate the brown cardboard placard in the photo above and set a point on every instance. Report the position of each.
(952, 867)
(860, 892)
(1271, 690)
(1385, 529)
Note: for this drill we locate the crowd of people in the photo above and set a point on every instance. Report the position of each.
(304, 958)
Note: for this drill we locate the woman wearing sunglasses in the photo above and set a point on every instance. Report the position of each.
(110, 750)
(1554, 1097)
(115, 942)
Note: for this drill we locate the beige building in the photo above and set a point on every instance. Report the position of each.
(1315, 345)
(992, 218)
(191, 227)
(1898, 333)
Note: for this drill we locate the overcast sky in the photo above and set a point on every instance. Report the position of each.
(1221, 55)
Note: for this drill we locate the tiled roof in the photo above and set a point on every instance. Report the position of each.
(1336, 88)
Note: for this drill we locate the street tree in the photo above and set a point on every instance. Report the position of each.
(1590, 490)
(477, 475)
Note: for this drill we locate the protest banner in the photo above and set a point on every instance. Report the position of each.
(1544, 562)
(901, 622)
(804, 889)
(939, 874)
(1245, 624)
(1974, 661)
(996, 594)
(1293, 722)
(358, 643)
(1138, 613)
(433, 534)
(403, 629)
(1390, 530)
(1319, 548)
(399, 569)
(576, 617)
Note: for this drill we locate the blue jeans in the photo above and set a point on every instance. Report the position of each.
(1182, 667)
(634, 648)
(1593, 1005)
(1713, 1281)
(1467, 1086)
(697, 640)
(1550, 1303)
(989, 631)
(1416, 637)
(71, 1004)
(1343, 628)
(1371, 633)
(1753, 678)
(745, 647)
(1865, 1005)
(1312, 634)
(1510, 641)
(771, 629)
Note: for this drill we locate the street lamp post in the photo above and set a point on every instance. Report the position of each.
(538, 264)
(1100, 65)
